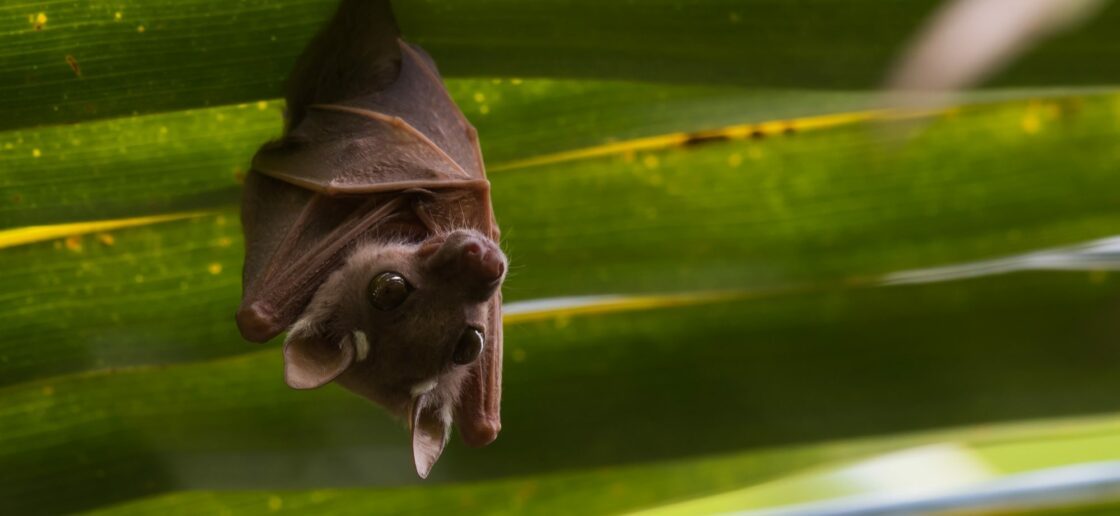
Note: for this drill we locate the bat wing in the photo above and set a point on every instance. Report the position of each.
(409, 135)
(478, 414)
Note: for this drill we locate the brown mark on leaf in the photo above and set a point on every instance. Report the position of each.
(17, 198)
(1069, 109)
(70, 60)
(702, 138)
(789, 129)
(74, 243)
(758, 134)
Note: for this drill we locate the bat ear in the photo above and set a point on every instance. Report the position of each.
(430, 426)
(311, 360)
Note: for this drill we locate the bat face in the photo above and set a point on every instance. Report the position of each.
(400, 323)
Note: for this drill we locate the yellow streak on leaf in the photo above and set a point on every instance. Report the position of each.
(31, 234)
(740, 131)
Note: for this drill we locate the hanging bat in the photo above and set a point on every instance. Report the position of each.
(370, 237)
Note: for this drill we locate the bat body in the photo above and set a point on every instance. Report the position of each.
(371, 239)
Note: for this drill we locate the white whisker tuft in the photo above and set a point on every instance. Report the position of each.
(423, 387)
(361, 345)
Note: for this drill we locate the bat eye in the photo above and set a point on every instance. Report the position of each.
(388, 290)
(469, 347)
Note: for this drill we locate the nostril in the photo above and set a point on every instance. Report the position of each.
(491, 268)
(481, 261)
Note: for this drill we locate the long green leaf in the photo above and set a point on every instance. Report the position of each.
(698, 380)
(193, 159)
(612, 490)
(137, 166)
(124, 385)
(66, 62)
(826, 206)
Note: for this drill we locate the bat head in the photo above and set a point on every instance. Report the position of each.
(401, 324)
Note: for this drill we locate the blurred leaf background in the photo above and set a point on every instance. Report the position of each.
(718, 167)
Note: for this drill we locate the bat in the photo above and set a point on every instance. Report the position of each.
(370, 237)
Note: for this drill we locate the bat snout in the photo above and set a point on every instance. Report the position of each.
(486, 264)
(471, 257)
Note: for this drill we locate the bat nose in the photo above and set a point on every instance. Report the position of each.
(484, 263)
(469, 259)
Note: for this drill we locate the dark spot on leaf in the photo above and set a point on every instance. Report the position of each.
(701, 138)
(70, 60)
(758, 134)
(789, 129)
(1069, 108)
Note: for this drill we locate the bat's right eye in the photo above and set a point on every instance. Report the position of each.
(469, 346)
(388, 290)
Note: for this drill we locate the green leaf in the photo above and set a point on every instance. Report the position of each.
(700, 380)
(815, 207)
(737, 238)
(91, 60)
(192, 159)
(816, 470)
(99, 60)
(149, 295)
(761, 43)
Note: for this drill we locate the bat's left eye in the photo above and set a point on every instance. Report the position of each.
(388, 290)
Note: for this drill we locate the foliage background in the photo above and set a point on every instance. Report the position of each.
(128, 125)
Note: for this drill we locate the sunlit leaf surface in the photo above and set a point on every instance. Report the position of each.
(837, 467)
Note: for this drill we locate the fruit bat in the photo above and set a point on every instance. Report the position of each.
(370, 237)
